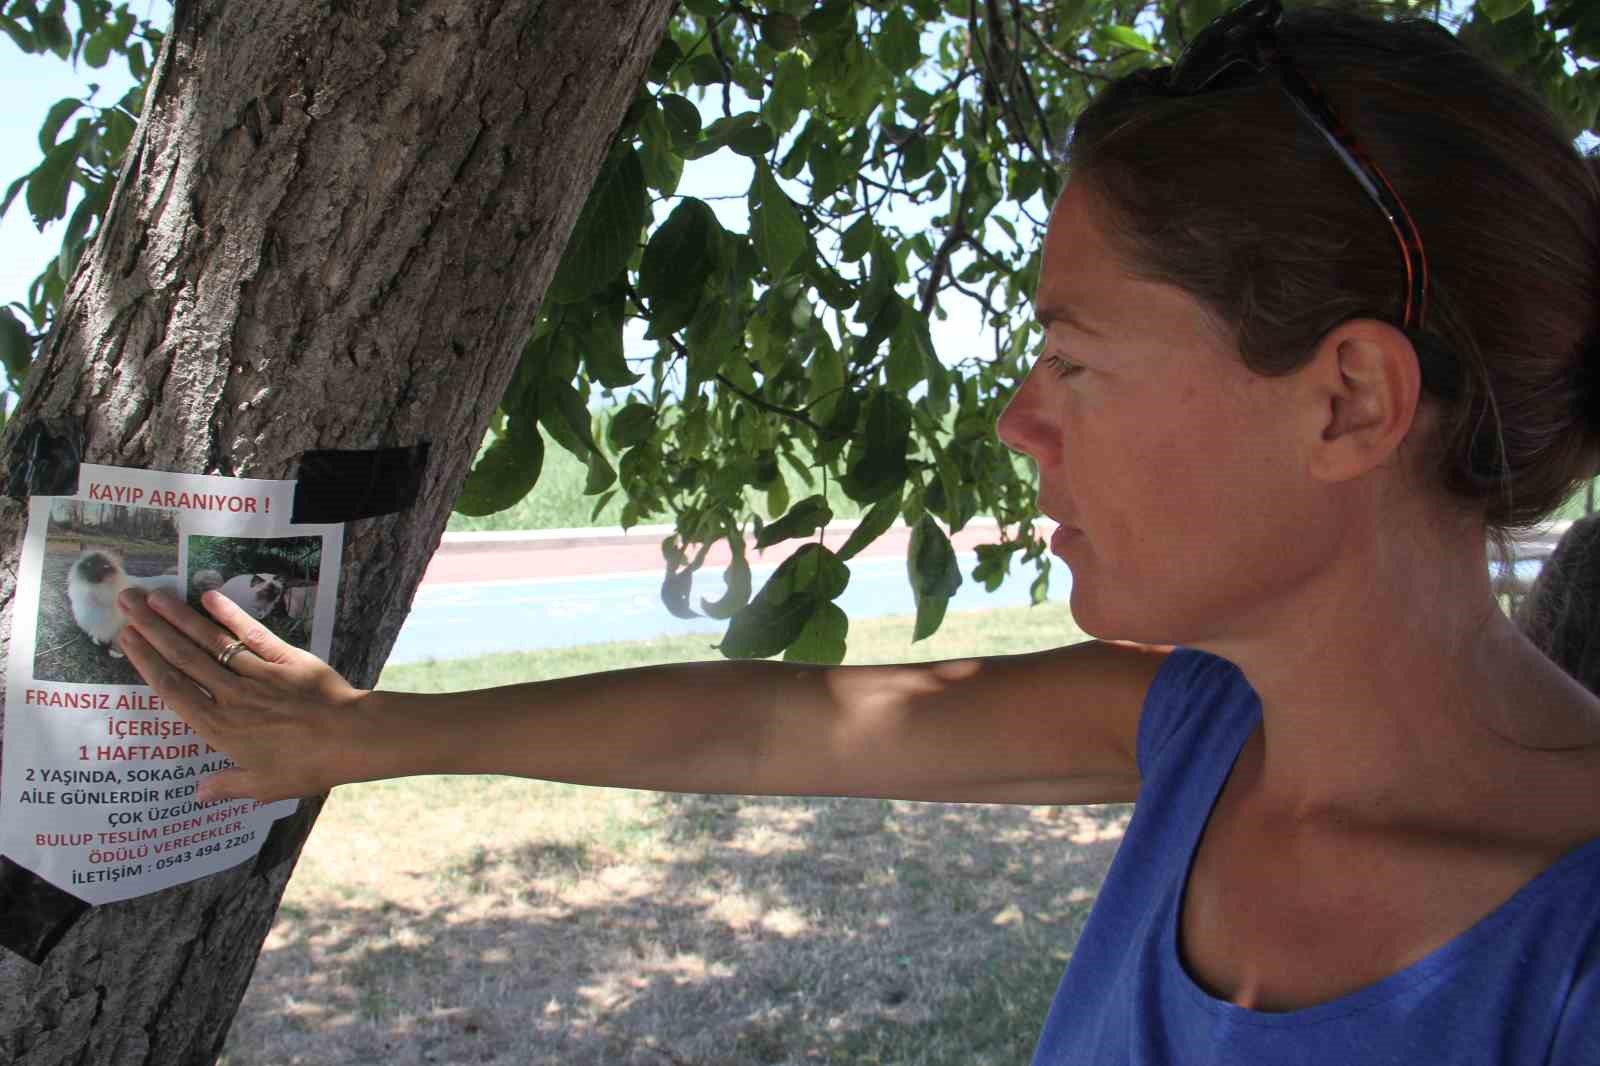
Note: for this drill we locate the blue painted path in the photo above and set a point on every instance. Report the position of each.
(459, 620)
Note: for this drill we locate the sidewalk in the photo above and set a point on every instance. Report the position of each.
(550, 553)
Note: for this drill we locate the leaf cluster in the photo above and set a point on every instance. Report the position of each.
(82, 145)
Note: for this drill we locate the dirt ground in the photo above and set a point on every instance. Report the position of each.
(491, 920)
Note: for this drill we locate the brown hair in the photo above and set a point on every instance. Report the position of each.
(1231, 195)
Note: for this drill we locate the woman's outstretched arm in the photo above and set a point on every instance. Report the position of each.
(1056, 726)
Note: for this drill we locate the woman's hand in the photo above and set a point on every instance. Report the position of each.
(273, 709)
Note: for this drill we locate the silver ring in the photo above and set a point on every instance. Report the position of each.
(225, 656)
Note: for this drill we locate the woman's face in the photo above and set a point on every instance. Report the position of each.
(1173, 470)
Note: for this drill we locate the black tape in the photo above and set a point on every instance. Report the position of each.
(44, 460)
(342, 486)
(285, 838)
(34, 914)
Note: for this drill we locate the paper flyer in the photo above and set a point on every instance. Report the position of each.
(98, 778)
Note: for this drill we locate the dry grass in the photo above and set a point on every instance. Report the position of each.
(495, 920)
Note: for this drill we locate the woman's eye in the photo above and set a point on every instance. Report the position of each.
(1063, 367)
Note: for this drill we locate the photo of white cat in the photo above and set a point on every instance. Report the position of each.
(93, 552)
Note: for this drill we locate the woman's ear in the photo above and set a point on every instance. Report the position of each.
(1364, 386)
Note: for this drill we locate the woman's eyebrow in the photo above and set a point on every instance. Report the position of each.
(1057, 312)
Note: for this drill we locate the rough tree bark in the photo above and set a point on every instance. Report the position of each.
(334, 230)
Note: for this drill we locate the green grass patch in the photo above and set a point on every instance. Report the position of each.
(1003, 631)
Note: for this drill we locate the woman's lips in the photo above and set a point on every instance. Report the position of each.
(1063, 536)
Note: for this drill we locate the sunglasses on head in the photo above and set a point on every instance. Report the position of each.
(1247, 37)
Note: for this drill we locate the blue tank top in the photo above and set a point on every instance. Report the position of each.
(1520, 987)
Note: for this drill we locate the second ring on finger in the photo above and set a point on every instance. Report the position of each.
(232, 648)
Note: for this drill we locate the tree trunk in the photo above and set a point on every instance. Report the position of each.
(334, 230)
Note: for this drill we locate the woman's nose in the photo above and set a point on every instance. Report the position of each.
(1022, 426)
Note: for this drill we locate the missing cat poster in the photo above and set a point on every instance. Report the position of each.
(98, 778)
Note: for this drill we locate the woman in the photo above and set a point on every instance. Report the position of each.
(1286, 394)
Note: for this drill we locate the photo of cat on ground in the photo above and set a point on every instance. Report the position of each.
(93, 551)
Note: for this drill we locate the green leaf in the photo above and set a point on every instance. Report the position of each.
(881, 280)
(16, 348)
(706, 69)
(745, 133)
(858, 239)
(835, 291)
(753, 141)
(790, 93)
(52, 30)
(565, 417)
(505, 474)
(821, 640)
(775, 227)
(766, 626)
(994, 562)
(11, 193)
(899, 42)
(606, 233)
(777, 496)
(874, 524)
(912, 340)
(20, 37)
(600, 475)
(829, 171)
(779, 613)
(676, 264)
(1500, 10)
(818, 571)
(634, 424)
(803, 519)
(47, 185)
(54, 119)
(907, 365)
(1125, 37)
(97, 50)
(880, 466)
(74, 240)
(935, 575)
(1039, 591)
(683, 118)
(712, 341)
(880, 329)
(828, 17)
(780, 32)
(667, 55)
(736, 581)
(603, 356)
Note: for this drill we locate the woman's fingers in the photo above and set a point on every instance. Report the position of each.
(177, 689)
(228, 785)
(183, 638)
(261, 641)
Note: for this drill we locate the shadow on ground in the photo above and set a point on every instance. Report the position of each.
(725, 930)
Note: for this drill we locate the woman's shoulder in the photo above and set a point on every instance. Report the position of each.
(1197, 690)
